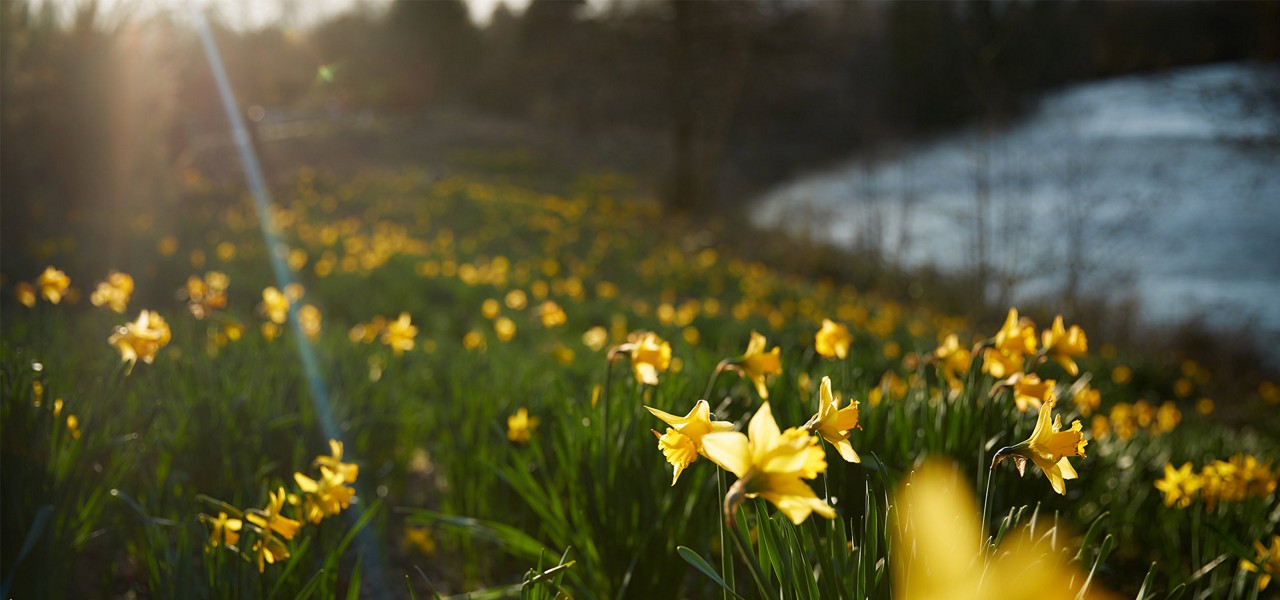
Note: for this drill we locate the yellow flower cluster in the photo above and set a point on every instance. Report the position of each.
(320, 498)
(1126, 420)
(1234, 480)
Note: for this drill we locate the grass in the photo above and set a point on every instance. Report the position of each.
(446, 503)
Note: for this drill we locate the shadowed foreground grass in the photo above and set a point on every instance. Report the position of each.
(480, 350)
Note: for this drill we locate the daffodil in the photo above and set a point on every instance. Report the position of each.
(276, 305)
(1049, 447)
(551, 314)
(1267, 564)
(26, 293)
(400, 334)
(683, 440)
(270, 518)
(141, 339)
(1179, 486)
(1030, 392)
(756, 363)
(1063, 345)
(650, 355)
(205, 295)
(1015, 340)
(224, 530)
(938, 553)
(953, 358)
(309, 318)
(114, 292)
(771, 464)
(520, 425)
(348, 471)
(326, 496)
(832, 341)
(833, 423)
(53, 284)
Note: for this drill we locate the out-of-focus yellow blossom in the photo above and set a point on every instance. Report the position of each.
(1205, 406)
(167, 246)
(505, 329)
(1167, 417)
(297, 259)
(892, 349)
(833, 340)
(520, 425)
(953, 358)
(141, 339)
(419, 539)
(1267, 563)
(333, 461)
(73, 426)
(473, 340)
(650, 355)
(1029, 391)
(595, 338)
(771, 464)
(324, 497)
(490, 308)
(551, 314)
(57, 407)
(400, 334)
(516, 300)
(1049, 447)
(225, 251)
(833, 423)
(197, 258)
(25, 293)
(1086, 399)
(683, 439)
(1124, 420)
(1269, 392)
(1064, 345)
(205, 295)
(1015, 340)
(223, 530)
(1121, 374)
(294, 292)
(1099, 427)
(755, 364)
(1179, 486)
(270, 331)
(563, 354)
(940, 556)
(113, 293)
(53, 284)
(309, 318)
(275, 305)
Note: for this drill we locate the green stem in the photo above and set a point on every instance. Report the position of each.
(741, 546)
(720, 367)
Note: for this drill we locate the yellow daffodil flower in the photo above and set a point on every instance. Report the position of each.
(551, 314)
(141, 339)
(114, 292)
(771, 464)
(954, 359)
(276, 305)
(1015, 340)
(270, 518)
(1267, 565)
(833, 423)
(324, 497)
(26, 294)
(1030, 392)
(1086, 399)
(520, 425)
(347, 471)
(1179, 486)
(755, 363)
(223, 530)
(53, 284)
(650, 355)
(1063, 345)
(938, 552)
(205, 295)
(1049, 447)
(833, 340)
(309, 318)
(682, 442)
(399, 334)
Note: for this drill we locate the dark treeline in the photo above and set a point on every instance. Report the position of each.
(106, 110)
